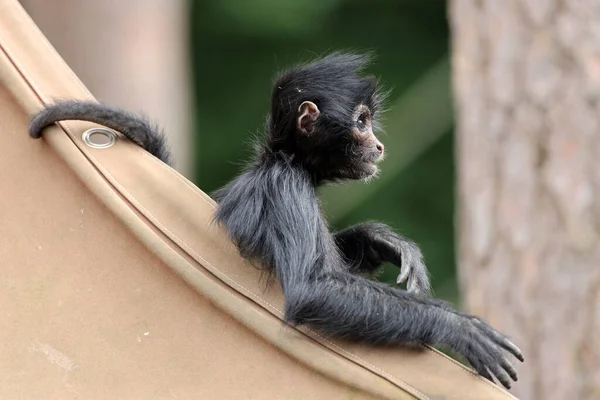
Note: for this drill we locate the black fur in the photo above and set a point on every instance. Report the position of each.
(366, 246)
(333, 85)
(272, 213)
(134, 127)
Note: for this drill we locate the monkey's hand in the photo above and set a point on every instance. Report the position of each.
(369, 244)
(411, 265)
(483, 347)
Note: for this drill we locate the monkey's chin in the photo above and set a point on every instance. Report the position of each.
(369, 171)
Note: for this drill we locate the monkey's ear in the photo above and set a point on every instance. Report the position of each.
(308, 115)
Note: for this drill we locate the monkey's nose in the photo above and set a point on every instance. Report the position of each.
(379, 147)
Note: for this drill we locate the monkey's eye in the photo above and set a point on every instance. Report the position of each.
(361, 122)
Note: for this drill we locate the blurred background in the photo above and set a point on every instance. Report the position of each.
(239, 46)
(203, 70)
(512, 195)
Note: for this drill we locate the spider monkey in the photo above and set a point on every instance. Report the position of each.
(320, 129)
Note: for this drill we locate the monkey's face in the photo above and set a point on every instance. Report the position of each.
(365, 150)
(338, 148)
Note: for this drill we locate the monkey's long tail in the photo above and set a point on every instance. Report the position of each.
(134, 127)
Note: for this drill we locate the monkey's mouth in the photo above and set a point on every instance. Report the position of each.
(366, 166)
(373, 159)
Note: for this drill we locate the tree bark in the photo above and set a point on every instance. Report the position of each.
(129, 53)
(527, 92)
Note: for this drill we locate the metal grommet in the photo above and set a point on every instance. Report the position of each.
(99, 138)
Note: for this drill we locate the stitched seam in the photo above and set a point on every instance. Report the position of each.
(468, 371)
(226, 277)
(59, 58)
(427, 347)
(131, 198)
(187, 248)
(260, 299)
(248, 291)
(251, 294)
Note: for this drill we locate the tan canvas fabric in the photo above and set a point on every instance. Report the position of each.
(115, 284)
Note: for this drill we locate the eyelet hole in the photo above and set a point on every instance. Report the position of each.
(99, 138)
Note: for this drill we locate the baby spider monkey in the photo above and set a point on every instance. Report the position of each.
(321, 129)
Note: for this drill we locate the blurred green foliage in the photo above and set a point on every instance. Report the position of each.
(239, 45)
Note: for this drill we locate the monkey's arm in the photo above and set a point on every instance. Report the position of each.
(367, 245)
(134, 127)
(272, 215)
(347, 305)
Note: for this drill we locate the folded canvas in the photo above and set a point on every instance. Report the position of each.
(115, 284)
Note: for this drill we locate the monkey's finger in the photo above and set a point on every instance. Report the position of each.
(493, 359)
(502, 376)
(407, 255)
(416, 285)
(512, 349)
(396, 254)
(508, 367)
(404, 273)
(421, 278)
(493, 370)
(500, 339)
(406, 267)
(480, 368)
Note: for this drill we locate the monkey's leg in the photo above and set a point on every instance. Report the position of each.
(367, 245)
(351, 306)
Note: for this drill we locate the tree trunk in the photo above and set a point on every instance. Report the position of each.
(130, 53)
(527, 91)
